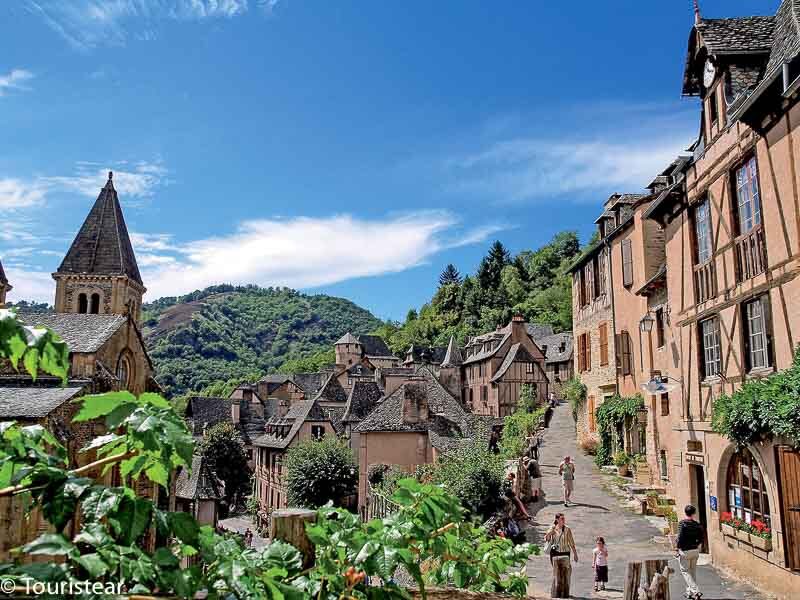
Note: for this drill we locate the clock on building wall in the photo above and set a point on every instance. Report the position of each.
(709, 72)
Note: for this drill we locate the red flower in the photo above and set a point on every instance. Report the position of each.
(726, 517)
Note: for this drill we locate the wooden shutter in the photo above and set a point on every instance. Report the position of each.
(591, 415)
(603, 331)
(789, 486)
(627, 263)
(624, 353)
(588, 350)
(590, 281)
(601, 272)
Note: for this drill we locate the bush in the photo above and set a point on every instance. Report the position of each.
(320, 471)
(522, 424)
(762, 408)
(621, 459)
(589, 446)
(575, 393)
(614, 413)
(474, 475)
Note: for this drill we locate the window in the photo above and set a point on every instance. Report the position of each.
(124, 372)
(747, 496)
(317, 431)
(484, 395)
(757, 340)
(625, 360)
(529, 366)
(662, 464)
(660, 338)
(95, 307)
(584, 352)
(713, 107)
(702, 230)
(747, 195)
(627, 263)
(603, 333)
(710, 344)
(665, 405)
(591, 414)
(600, 273)
(596, 277)
(83, 305)
(581, 280)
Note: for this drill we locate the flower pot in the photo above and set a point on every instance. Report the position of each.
(743, 536)
(728, 530)
(762, 543)
(622, 471)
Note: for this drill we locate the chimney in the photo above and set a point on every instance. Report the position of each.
(235, 411)
(518, 330)
(415, 401)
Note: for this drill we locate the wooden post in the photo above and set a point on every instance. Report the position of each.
(633, 575)
(653, 566)
(658, 588)
(289, 525)
(562, 571)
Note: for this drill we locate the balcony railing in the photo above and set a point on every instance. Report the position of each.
(705, 281)
(750, 254)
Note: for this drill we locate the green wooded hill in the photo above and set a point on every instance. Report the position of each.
(227, 333)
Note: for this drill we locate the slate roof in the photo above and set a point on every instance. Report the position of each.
(388, 414)
(81, 332)
(332, 391)
(374, 345)
(452, 357)
(34, 401)
(200, 485)
(553, 344)
(499, 336)
(208, 411)
(102, 246)
(347, 338)
(334, 414)
(426, 354)
(786, 35)
(3, 278)
(537, 331)
(363, 398)
(516, 352)
(310, 383)
(299, 412)
(659, 277)
(738, 35)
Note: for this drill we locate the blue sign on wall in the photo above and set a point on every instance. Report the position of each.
(712, 500)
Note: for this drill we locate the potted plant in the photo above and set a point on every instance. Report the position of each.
(761, 535)
(672, 521)
(622, 461)
(726, 520)
(742, 530)
(652, 499)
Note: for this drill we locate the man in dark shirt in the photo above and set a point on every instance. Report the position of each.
(690, 537)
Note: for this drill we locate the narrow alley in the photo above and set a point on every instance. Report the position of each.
(595, 512)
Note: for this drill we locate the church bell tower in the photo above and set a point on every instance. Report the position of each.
(99, 274)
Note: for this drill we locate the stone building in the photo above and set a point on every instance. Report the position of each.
(98, 294)
(5, 287)
(99, 274)
(704, 278)
(495, 367)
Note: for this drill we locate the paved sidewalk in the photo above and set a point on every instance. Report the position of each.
(596, 512)
(240, 524)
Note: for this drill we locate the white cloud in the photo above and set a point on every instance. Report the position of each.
(30, 285)
(528, 169)
(15, 80)
(138, 181)
(301, 252)
(15, 193)
(87, 24)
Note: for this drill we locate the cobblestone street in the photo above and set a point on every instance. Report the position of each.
(596, 512)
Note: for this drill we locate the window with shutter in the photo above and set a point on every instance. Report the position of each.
(757, 338)
(627, 263)
(601, 273)
(588, 351)
(603, 333)
(625, 359)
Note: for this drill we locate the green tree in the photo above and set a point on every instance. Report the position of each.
(491, 268)
(223, 448)
(320, 471)
(309, 364)
(450, 276)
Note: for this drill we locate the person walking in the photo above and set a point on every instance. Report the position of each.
(567, 471)
(600, 564)
(561, 544)
(690, 538)
(535, 474)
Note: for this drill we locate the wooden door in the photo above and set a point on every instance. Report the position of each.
(592, 423)
(789, 493)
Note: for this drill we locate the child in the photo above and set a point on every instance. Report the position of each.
(600, 564)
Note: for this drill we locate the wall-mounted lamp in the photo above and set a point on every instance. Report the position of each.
(646, 324)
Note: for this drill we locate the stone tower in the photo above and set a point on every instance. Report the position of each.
(5, 287)
(348, 351)
(99, 274)
(450, 369)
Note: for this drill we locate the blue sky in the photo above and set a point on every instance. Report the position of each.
(351, 148)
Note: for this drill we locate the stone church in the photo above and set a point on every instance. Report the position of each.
(98, 300)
